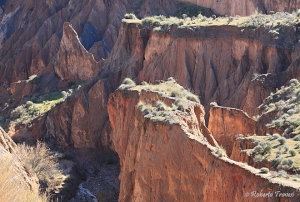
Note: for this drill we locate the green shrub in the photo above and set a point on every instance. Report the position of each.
(297, 146)
(282, 140)
(267, 149)
(296, 138)
(264, 170)
(294, 81)
(130, 16)
(278, 153)
(128, 81)
(258, 158)
(29, 104)
(258, 149)
(276, 136)
(292, 152)
(286, 148)
(276, 162)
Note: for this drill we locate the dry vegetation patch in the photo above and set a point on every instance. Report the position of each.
(161, 111)
(12, 188)
(39, 160)
(274, 22)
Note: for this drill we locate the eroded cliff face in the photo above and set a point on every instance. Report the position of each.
(31, 32)
(6, 142)
(73, 61)
(164, 162)
(227, 123)
(219, 63)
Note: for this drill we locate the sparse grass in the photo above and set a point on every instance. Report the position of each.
(40, 161)
(281, 157)
(160, 110)
(274, 22)
(31, 110)
(168, 88)
(284, 105)
(127, 84)
(12, 188)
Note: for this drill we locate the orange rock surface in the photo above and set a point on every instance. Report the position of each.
(163, 162)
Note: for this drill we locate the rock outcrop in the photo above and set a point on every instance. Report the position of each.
(218, 63)
(73, 61)
(31, 32)
(226, 124)
(6, 142)
(163, 162)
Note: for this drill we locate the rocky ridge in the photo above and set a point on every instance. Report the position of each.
(154, 154)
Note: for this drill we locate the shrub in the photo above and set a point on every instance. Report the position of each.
(213, 104)
(17, 112)
(193, 98)
(258, 158)
(12, 188)
(282, 173)
(296, 138)
(264, 170)
(276, 136)
(278, 153)
(180, 106)
(282, 140)
(267, 149)
(276, 162)
(128, 81)
(144, 83)
(176, 93)
(29, 104)
(171, 79)
(297, 146)
(292, 152)
(294, 81)
(41, 161)
(286, 149)
(221, 152)
(130, 16)
(161, 106)
(290, 162)
(258, 149)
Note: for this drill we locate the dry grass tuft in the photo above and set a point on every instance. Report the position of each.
(12, 189)
(41, 161)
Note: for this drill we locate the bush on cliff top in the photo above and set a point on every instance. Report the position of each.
(169, 88)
